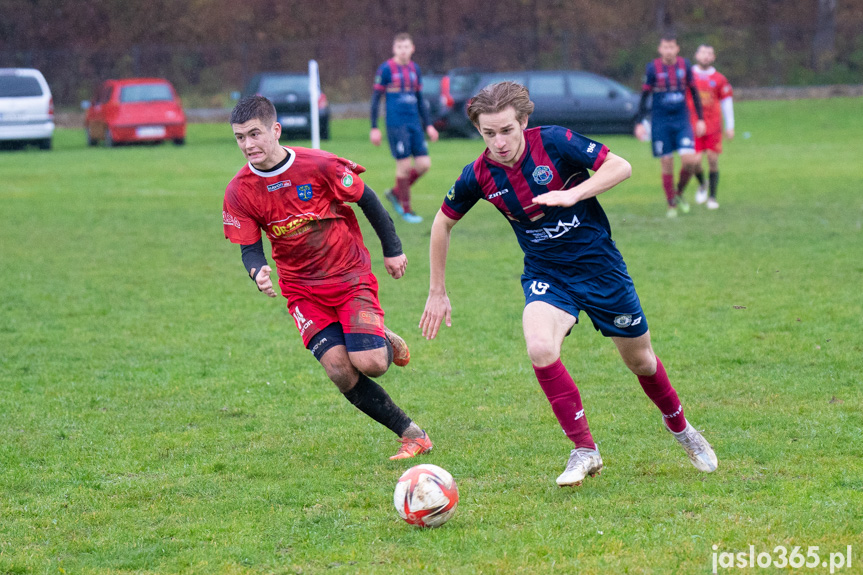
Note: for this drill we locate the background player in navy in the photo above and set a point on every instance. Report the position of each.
(298, 196)
(407, 122)
(539, 180)
(668, 78)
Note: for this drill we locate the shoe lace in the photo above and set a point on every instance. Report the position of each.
(577, 458)
(694, 441)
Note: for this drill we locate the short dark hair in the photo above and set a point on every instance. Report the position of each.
(401, 36)
(668, 37)
(253, 108)
(495, 98)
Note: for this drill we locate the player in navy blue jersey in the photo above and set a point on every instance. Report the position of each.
(539, 180)
(407, 122)
(668, 78)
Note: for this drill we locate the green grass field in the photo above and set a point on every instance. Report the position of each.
(159, 415)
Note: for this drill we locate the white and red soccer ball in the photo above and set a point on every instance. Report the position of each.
(426, 496)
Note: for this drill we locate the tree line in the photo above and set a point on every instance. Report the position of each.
(211, 47)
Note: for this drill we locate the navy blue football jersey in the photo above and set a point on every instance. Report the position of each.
(571, 241)
(669, 85)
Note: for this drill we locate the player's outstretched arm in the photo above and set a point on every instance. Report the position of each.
(612, 171)
(395, 261)
(438, 308)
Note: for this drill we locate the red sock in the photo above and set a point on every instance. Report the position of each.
(659, 390)
(415, 175)
(403, 192)
(668, 186)
(685, 176)
(565, 401)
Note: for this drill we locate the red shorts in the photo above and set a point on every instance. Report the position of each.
(711, 142)
(353, 304)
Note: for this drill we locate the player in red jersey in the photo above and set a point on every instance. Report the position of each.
(297, 197)
(717, 103)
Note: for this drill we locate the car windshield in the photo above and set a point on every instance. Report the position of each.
(431, 85)
(146, 93)
(19, 86)
(282, 84)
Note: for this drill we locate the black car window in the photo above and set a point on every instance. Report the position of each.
(588, 86)
(547, 85)
(146, 93)
(274, 85)
(19, 87)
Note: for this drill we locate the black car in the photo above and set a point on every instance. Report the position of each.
(289, 93)
(432, 94)
(585, 102)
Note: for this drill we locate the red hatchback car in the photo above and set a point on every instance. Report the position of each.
(135, 110)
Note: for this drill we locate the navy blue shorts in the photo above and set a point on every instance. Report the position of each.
(671, 135)
(609, 300)
(407, 140)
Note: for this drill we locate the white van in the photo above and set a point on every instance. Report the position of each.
(26, 107)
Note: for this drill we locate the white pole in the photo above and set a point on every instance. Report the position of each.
(314, 96)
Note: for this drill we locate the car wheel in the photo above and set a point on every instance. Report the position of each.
(109, 140)
(45, 144)
(179, 141)
(91, 141)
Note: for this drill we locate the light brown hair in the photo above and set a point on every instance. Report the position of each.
(497, 97)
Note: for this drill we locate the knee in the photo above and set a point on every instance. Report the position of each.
(542, 351)
(373, 365)
(341, 373)
(641, 364)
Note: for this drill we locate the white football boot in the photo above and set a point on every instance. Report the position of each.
(696, 447)
(583, 461)
(701, 194)
(712, 204)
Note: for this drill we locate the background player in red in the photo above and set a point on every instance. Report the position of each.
(297, 196)
(668, 79)
(538, 179)
(407, 122)
(717, 103)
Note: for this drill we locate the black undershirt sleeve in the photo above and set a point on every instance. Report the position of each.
(381, 221)
(253, 257)
(696, 99)
(642, 107)
(376, 98)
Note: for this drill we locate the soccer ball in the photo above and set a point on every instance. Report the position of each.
(426, 496)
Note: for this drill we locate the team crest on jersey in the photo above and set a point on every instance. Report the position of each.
(542, 175)
(451, 193)
(304, 192)
(347, 180)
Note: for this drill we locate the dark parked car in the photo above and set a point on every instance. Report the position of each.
(289, 93)
(585, 102)
(432, 94)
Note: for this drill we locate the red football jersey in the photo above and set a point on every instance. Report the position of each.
(315, 236)
(713, 87)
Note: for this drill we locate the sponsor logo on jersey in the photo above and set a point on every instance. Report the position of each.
(304, 192)
(292, 228)
(624, 321)
(279, 185)
(499, 193)
(568, 135)
(230, 220)
(542, 175)
(347, 180)
(591, 147)
(675, 414)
